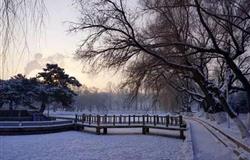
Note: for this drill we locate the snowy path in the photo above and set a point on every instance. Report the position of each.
(87, 146)
(205, 145)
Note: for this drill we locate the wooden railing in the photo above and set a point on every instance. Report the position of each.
(130, 120)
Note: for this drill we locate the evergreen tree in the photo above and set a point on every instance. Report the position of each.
(51, 85)
(57, 84)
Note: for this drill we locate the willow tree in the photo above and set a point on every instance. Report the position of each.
(18, 18)
(173, 34)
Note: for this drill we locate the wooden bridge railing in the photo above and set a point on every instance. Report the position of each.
(130, 120)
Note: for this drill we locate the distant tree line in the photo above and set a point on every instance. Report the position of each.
(93, 100)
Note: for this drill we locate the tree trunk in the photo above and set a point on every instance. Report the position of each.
(238, 73)
(243, 129)
(248, 113)
(42, 108)
(211, 101)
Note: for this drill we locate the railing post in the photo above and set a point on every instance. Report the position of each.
(143, 120)
(157, 119)
(83, 118)
(76, 116)
(120, 119)
(154, 120)
(133, 118)
(180, 120)
(89, 118)
(105, 118)
(147, 118)
(167, 120)
(114, 120)
(98, 120)
(129, 120)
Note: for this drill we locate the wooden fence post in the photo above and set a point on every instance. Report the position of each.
(76, 116)
(114, 120)
(143, 130)
(129, 120)
(167, 120)
(154, 120)
(180, 120)
(98, 130)
(83, 121)
(75, 122)
(105, 130)
(83, 118)
(105, 118)
(98, 120)
(120, 119)
(143, 120)
(89, 118)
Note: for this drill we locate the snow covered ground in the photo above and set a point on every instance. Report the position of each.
(119, 144)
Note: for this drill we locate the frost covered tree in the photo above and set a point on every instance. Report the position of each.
(19, 90)
(52, 85)
(180, 38)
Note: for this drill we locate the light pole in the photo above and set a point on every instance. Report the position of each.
(227, 94)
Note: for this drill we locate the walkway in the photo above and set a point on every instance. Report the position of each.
(205, 145)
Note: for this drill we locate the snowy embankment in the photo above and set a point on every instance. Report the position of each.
(124, 144)
(230, 127)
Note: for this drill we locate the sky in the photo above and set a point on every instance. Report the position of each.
(56, 45)
(52, 43)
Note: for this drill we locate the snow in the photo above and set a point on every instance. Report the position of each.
(119, 144)
(187, 148)
(232, 129)
(206, 147)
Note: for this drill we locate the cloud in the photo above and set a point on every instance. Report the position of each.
(34, 64)
(39, 62)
